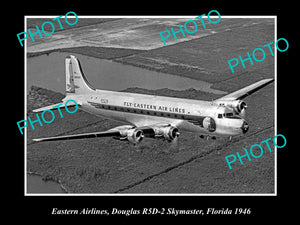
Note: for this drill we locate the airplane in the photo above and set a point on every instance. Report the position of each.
(154, 116)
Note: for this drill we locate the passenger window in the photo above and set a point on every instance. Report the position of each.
(219, 115)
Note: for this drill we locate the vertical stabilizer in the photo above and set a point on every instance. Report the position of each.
(76, 82)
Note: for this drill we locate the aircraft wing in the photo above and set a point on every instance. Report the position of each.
(120, 132)
(246, 91)
(117, 132)
(109, 133)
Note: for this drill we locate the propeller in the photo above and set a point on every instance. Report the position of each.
(174, 143)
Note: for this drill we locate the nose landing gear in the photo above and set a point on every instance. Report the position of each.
(245, 127)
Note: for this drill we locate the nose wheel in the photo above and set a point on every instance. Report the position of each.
(245, 127)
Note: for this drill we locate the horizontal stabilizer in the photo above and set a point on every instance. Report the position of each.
(49, 107)
(55, 106)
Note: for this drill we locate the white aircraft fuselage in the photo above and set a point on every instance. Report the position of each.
(142, 110)
(155, 116)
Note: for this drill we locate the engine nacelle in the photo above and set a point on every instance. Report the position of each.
(134, 136)
(168, 133)
(238, 106)
(209, 124)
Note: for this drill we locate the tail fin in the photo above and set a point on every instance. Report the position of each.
(76, 82)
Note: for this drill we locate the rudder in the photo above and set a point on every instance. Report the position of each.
(76, 82)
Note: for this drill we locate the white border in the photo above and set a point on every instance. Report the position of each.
(147, 194)
(275, 103)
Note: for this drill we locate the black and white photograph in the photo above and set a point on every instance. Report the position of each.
(121, 108)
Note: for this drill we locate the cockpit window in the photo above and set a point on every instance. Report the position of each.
(228, 115)
(231, 116)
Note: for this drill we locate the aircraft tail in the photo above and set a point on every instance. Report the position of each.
(76, 82)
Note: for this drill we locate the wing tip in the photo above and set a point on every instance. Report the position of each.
(269, 79)
(37, 139)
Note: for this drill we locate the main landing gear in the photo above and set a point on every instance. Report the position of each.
(207, 137)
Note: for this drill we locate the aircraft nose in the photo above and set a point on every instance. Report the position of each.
(245, 127)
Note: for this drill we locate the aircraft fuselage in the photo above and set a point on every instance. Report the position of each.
(189, 115)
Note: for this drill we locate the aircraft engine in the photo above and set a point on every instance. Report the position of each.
(135, 136)
(132, 135)
(209, 124)
(168, 133)
(238, 106)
